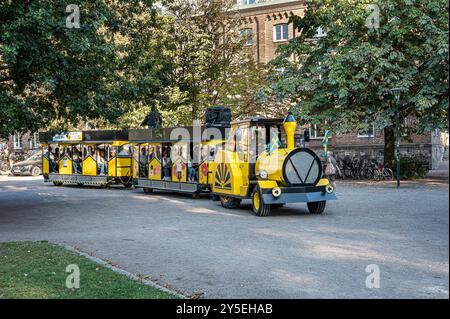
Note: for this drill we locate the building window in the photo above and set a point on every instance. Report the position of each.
(246, 2)
(247, 34)
(281, 32)
(34, 141)
(369, 132)
(17, 141)
(316, 132)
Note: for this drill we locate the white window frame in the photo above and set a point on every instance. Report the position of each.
(34, 141)
(367, 135)
(314, 129)
(17, 141)
(282, 33)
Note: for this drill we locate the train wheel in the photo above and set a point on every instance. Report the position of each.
(230, 202)
(148, 190)
(259, 208)
(80, 184)
(57, 183)
(196, 195)
(215, 198)
(317, 208)
(128, 185)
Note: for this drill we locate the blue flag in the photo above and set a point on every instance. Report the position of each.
(274, 144)
(325, 142)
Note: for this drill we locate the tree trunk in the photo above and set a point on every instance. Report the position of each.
(389, 146)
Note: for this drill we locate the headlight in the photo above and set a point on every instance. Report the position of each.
(263, 174)
(276, 192)
(329, 189)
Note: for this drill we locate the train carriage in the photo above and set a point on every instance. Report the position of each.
(177, 159)
(92, 158)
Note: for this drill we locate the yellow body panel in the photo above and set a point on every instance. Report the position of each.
(155, 170)
(273, 164)
(89, 166)
(112, 167)
(203, 171)
(135, 169)
(230, 175)
(65, 166)
(45, 165)
(124, 166)
(323, 182)
(267, 184)
(176, 177)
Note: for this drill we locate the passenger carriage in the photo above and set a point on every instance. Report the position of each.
(92, 158)
(177, 159)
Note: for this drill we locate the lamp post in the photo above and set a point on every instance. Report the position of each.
(396, 92)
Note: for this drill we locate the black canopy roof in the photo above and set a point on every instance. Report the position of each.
(173, 135)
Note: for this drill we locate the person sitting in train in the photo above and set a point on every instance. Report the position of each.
(191, 172)
(167, 167)
(143, 162)
(77, 162)
(101, 162)
(54, 160)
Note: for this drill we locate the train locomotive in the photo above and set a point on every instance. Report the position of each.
(255, 164)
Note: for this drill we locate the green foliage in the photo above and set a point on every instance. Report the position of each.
(345, 77)
(211, 64)
(53, 75)
(413, 166)
(38, 271)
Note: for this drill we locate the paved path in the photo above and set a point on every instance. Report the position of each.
(200, 248)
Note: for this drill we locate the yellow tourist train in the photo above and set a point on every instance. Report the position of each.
(92, 158)
(253, 158)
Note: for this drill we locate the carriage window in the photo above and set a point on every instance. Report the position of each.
(242, 140)
(126, 150)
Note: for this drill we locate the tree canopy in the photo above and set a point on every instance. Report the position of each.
(54, 75)
(370, 47)
(212, 66)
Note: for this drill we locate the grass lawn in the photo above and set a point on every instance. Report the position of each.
(38, 270)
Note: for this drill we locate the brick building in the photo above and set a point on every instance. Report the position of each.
(266, 27)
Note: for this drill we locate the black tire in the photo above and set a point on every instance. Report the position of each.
(230, 202)
(36, 171)
(148, 190)
(259, 208)
(317, 208)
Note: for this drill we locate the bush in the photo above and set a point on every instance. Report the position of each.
(413, 166)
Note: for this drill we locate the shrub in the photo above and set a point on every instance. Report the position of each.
(413, 166)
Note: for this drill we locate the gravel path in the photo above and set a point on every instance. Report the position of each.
(199, 248)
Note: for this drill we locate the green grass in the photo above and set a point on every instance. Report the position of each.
(38, 271)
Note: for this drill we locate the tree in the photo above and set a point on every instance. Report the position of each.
(52, 74)
(370, 47)
(211, 64)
